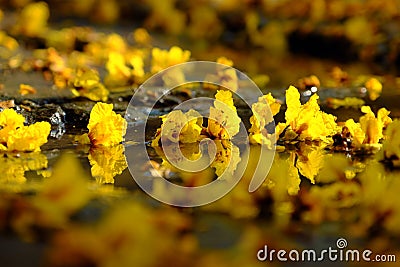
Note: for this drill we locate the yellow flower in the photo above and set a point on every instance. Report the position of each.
(390, 151)
(7, 41)
(262, 117)
(356, 131)
(25, 89)
(14, 136)
(373, 126)
(180, 127)
(107, 162)
(162, 59)
(32, 21)
(87, 83)
(141, 36)
(374, 88)
(106, 128)
(137, 64)
(307, 120)
(225, 61)
(223, 121)
(118, 72)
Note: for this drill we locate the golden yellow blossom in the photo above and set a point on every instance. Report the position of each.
(263, 110)
(308, 82)
(225, 61)
(106, 128)
(107, 162)
(86, 83)
(141, 36)
(373, 126)
(118, 72)
(180, 127)
(374, 88)
(162, 59)
(7, 41)
(137, 64)
(32, 21)
(356, 131)
(15, 136)
(390, 151)
(25, 89)
(307, 120)
(223, 122)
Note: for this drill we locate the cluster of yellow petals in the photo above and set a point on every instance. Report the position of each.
(86, 83)
(180, 127)
(391, 145)
(308, 121)
(369, 129)
(25, 89)
(106, 128)
(124, 69)
(223, 123)
(374, 88)
(32, 21)
(15, 136)
(263, 111)
(162, 59)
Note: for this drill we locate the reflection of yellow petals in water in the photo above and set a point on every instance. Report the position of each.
(13, 167)
(114, 241)
(107, 162)
(56, 199)
(67, 186)
(310, 161)
(283, 178)
(227, 158)
(334, 168)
